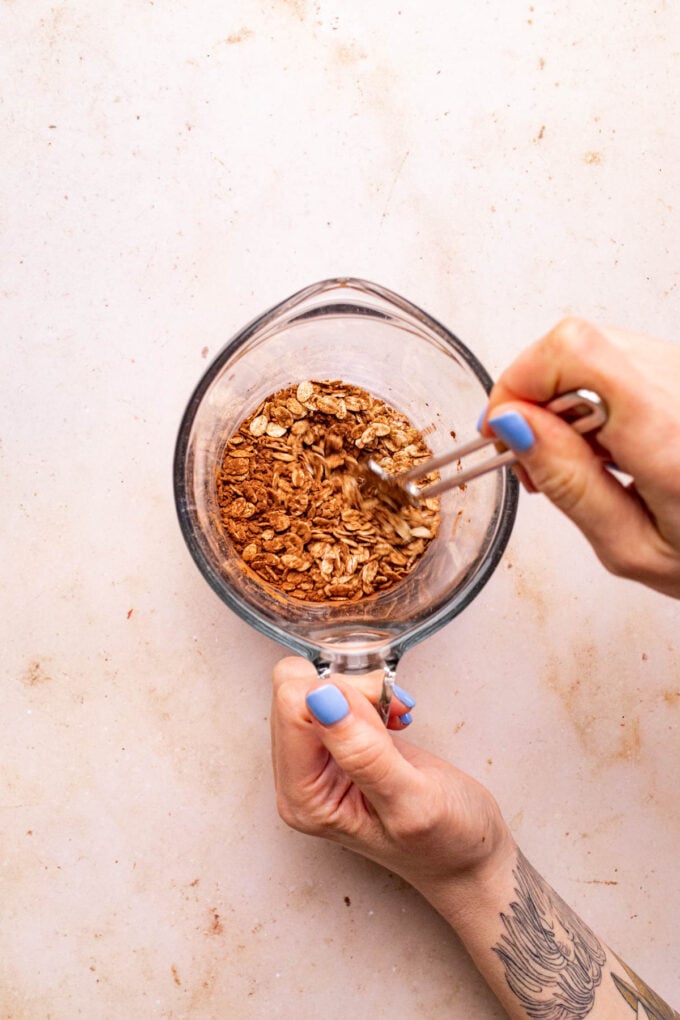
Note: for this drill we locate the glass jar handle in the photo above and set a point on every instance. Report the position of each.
(389, 671)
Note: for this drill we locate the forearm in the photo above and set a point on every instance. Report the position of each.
(341, 775)
(540, 959)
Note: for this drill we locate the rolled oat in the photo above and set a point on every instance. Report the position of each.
(299, 510)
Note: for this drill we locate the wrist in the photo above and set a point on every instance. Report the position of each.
(474, 896)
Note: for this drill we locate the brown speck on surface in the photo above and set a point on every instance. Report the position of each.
(240, 36)
(349, 54)
(194, 883)
(348, 902)
(456, 521)
(34, 675)
(597, 881)
(531, 588)
(129, 613)
(175, 975)
(29, 832)
(489, 761)
(671, 697)
(458, 727)
(592, 158)
(596, 684)
(452, 433)
(541, 63)
(630, 747)
(204, 352)
(296, 7)
(540, 134)
(216, 926)
(645, 657)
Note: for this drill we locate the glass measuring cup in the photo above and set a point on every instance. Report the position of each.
(365, 335)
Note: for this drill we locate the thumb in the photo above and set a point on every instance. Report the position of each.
(561, 464)
(351, 731)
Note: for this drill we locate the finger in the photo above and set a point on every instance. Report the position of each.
(353, 734)
(370, 684)
(297, 752)
(524, 479)
(577, 354)
(401, 704)
(561, 464)
(574, 354)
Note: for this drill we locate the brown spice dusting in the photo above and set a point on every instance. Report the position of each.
(297, 506)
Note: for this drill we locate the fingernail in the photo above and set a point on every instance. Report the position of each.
(480, 420)
(513, 430)
(328, 704)
(406, 718)
(405, 697)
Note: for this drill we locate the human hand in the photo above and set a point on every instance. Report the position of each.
(340, 774)
(350, 780)
(633, 528)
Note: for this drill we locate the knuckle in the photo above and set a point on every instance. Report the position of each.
(287, 812)
(638, 564)
(320, 812)
(416, 825)
(577, 337)
(563, 484)
(620, 561)
(289, 696)
(297, 816)
(292, 669)
(366, 763)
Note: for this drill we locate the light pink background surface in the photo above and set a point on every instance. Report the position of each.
(169, 171)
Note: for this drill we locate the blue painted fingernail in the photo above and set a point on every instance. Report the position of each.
(406, 718)
(513, 430)
(328, 704)
(404, 696)
(480, 420)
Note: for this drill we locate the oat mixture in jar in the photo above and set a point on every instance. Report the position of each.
(300, 511)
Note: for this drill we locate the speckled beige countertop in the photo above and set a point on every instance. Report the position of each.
(171, 169)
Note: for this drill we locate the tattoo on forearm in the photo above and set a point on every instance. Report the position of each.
(553, 962)
(640, 997)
